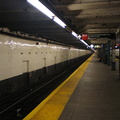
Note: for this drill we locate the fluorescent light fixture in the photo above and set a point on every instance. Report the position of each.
(74, 34)
(60, 22)
(42, 8)
(84, 43)
(91, 45)
(46, 11)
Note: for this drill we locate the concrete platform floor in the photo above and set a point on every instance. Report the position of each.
(97, 96)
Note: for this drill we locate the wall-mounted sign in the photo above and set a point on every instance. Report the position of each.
(101, 35)
(84, 36)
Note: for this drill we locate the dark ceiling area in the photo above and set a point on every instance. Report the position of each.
(93, 17)
(90, 17)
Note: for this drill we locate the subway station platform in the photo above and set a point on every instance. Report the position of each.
(92, 92)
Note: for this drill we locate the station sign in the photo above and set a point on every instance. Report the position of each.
(101, 35)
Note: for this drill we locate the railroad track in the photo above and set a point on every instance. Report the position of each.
(18, 106)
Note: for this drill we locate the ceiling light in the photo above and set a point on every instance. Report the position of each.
(84, 43)
(91, 45)
(46, 11)
(74, 34)
(58, 21)
(42, 8)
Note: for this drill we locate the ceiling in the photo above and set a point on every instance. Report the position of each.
(97, 18)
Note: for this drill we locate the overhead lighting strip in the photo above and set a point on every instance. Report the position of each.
(84, 43)
(74, 34)
(51, 15)
(42, 8)
(79, 37)
(47, 12)
(60, 22)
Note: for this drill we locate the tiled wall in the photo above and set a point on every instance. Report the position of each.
(18, 56)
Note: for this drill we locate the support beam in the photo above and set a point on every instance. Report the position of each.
(113, 64)
(108, 53)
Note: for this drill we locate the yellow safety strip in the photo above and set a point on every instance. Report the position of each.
(52, 107)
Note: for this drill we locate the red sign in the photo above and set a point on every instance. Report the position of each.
(84, 36)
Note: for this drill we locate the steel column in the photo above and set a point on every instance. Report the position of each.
(108, 53)
(113, 64)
